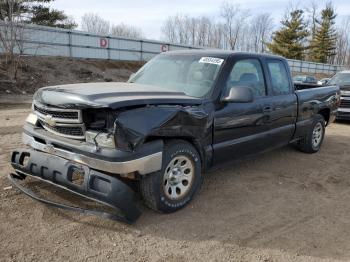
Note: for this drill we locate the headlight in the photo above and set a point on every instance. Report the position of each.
(100, 138)
(32, 119)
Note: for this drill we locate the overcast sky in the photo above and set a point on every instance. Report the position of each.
(149, 15)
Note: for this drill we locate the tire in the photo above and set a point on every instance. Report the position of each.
(312, 141)
(167, 191)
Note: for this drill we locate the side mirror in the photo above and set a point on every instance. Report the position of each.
(239, 94)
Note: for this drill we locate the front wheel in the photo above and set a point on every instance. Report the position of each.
(175, 185)
(312, 141)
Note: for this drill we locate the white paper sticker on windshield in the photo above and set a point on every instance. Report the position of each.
(211, 60)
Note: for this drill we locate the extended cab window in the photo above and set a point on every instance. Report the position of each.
(279, 77)
(248, 72)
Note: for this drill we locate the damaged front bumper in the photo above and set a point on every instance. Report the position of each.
(78, 179)
(144, 160)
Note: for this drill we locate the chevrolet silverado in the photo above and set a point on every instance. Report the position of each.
(181, 114)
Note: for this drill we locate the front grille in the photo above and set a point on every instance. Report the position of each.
(63, 122)
(345, 88)
(67, 130)
(61, 115)
(57, 114)
(344, 103)
(343, 115)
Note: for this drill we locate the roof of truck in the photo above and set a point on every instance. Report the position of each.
(218, 52)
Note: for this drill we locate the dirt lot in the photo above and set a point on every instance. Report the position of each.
(279, 206)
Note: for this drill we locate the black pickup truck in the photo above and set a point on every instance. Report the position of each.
(182, 113)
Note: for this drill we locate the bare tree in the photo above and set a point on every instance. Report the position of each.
(93, 23)
(312, 10)
(177, 29)
(233, 29)
(260, 31)
(229, 14)
(204, 31)
(343, 43)
(183, 29)
(234, 19)
(11, 39)
(124, 30)
(169, 30)
(217, 38)
(192, 25)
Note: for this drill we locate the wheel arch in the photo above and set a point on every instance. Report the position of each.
(191, 140)
(325, 112)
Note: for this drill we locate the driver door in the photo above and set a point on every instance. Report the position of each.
(241, 129)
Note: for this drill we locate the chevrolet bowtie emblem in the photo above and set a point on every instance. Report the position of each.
(49, 119)
(50, 149)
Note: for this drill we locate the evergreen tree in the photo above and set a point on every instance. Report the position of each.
(34, 11)
(9, 8)
(289, 40)
(323, 44)
(43, 15)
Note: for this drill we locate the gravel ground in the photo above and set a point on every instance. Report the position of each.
(280, 206)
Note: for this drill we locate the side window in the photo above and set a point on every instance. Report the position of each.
(279, 77)
(248, 72)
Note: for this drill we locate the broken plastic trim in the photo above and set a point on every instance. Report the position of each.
(16, 177)
(97, 186)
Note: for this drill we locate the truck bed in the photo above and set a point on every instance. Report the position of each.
(299, 86)
(314, 99)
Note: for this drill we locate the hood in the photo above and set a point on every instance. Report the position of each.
(109, 95)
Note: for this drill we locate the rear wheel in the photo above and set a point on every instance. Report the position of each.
(175, 185)
(312, 141)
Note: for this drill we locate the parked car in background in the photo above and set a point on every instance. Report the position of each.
(323, 81)
(305, 79)
(342, 79)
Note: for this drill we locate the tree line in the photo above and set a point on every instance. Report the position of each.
(309, 33)
(93, 23)
(234, 29)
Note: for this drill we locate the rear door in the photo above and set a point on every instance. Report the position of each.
(282, 103)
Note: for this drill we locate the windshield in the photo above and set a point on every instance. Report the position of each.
(340, 79)
(191, 74)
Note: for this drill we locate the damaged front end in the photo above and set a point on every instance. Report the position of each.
(78, 179)
(134, 127)
(104, 143)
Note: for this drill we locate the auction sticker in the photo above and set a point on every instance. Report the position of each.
(211, 60)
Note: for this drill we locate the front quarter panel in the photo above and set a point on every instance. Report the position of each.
(134, 127)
